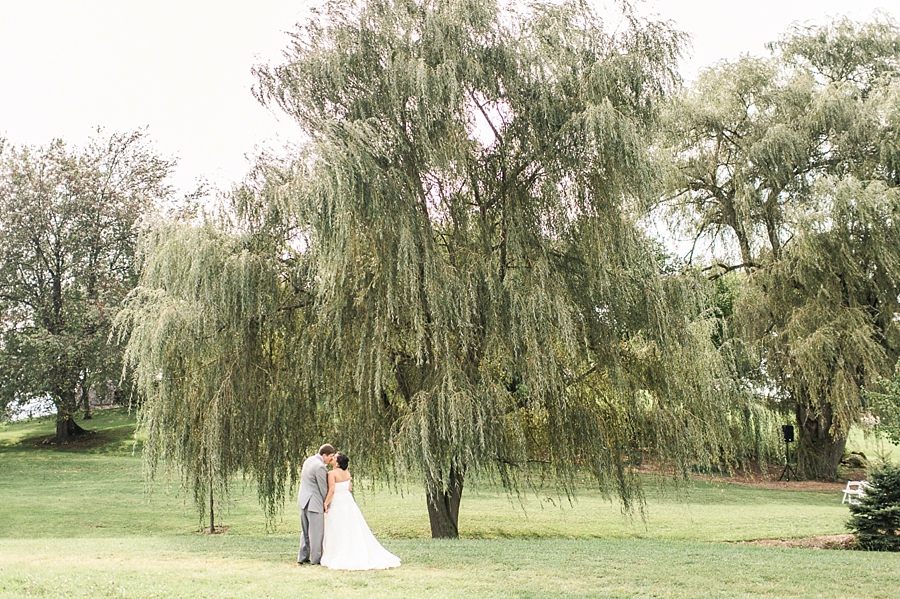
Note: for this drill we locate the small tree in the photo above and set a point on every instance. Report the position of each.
(875, 520)
(67, 258)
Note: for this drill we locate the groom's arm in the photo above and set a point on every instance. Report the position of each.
(322, 481)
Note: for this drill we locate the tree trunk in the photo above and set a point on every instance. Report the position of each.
(66, 427)
(62, 426)
(818, 452)
(86, 396)
(212, 514)
(65, 418)
(443, 508)
(727, 201)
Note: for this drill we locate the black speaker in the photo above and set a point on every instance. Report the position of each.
(788, 431)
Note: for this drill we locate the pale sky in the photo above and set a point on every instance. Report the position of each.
(181, 68)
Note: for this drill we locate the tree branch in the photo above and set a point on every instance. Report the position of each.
(727, 269)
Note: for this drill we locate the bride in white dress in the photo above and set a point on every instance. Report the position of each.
(349, 543)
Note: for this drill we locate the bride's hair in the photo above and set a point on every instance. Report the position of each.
(342, 460)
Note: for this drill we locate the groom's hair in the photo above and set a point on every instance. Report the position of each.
(326, 449)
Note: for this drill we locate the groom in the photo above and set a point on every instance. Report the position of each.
(311, 501)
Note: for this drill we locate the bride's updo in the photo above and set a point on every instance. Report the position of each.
(342, 460)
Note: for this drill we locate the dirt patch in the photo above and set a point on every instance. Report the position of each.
(769, 480)
(220, 530)
(89, 439)
(846, 541)
(789, 485)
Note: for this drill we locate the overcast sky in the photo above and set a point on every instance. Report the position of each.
(181, 68)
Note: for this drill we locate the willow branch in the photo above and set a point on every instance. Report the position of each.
(727, 269)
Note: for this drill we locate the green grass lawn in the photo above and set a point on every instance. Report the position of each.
(77, 523)
(874, 448)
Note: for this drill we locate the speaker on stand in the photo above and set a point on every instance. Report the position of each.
(787, 431)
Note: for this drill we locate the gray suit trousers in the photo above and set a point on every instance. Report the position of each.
(313, 525)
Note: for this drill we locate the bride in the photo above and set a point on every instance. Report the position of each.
(349, 543)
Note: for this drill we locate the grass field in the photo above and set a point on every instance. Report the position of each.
(874, 448)
(79, 524)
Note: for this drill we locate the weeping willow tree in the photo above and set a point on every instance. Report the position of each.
(449, 281)
(208, 332)
(834, 301)
(787, 166)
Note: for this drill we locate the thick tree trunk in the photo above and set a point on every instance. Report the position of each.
(66, 426)
(818, 452)
(443, 505)
(443, 508)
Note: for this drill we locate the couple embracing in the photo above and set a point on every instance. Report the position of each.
(335, 533)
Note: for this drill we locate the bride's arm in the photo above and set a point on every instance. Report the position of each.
(330, 490)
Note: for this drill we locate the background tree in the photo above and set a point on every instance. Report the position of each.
(449, 281)
(67, 241)
(787, 166)
(883, 404)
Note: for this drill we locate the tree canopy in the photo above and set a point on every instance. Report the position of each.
(787, 166)
(449, 279)
(67, 241)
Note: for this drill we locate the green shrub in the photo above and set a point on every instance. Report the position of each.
(876, 519)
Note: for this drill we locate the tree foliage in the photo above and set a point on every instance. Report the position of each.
(882, 402)
(449, 281)
(67, 238)
(211, 334)
(875, 520)
(786, 166)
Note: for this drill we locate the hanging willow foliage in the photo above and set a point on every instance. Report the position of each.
(788, 168)
(208, 338)
(833, 303)
(449, 281)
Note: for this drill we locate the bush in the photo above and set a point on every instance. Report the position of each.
(876, 519)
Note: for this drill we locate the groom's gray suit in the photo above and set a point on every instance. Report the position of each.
(311, 501)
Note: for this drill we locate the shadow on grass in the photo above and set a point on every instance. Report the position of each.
(110, 431)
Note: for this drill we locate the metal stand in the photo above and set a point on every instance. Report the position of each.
(788, 469)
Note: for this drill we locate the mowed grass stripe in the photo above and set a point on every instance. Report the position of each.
(243, 567)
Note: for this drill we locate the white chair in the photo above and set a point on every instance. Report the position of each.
(853, 491)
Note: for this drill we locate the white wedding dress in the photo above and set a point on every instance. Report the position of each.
(349, 543)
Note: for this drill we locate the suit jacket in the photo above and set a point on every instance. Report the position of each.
(313, 485)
